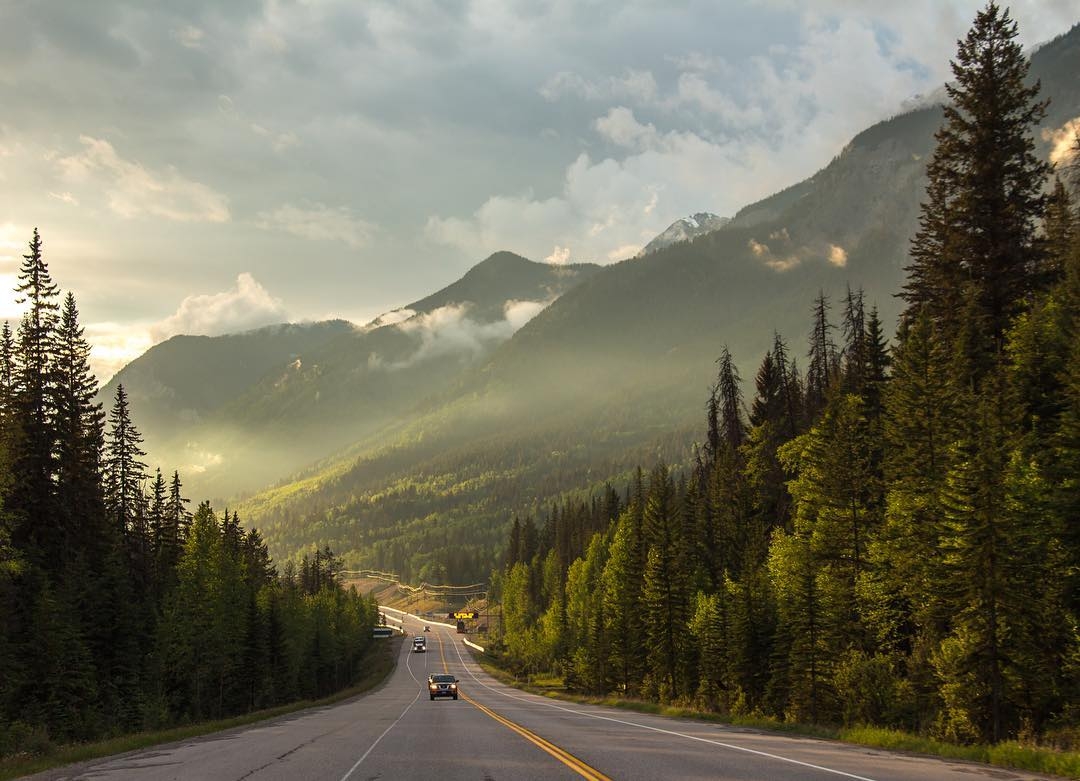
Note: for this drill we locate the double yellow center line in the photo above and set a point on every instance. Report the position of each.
(568, 759)
(565, 757)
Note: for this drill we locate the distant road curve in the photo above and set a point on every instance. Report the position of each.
(497, 732)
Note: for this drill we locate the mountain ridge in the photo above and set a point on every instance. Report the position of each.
(240, 410)
(624, 359)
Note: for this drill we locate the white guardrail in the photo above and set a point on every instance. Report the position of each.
(400, 618)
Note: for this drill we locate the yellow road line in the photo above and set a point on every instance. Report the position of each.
(568, 759)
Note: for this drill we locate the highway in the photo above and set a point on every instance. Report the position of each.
(497, 732)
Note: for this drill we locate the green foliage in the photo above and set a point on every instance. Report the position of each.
(118, 610)
(892, 541)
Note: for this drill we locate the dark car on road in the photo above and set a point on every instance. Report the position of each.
(419, 645)
(442, 685)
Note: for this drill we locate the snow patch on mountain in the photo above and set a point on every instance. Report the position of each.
(685, 229)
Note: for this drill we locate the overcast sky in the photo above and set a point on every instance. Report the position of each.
(205, 167)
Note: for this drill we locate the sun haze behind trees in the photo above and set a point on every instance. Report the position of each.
(891, 538)
(119, 609)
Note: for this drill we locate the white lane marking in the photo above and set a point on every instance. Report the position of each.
(385, 731)
(659, 729)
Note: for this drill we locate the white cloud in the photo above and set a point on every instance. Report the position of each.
(636, 85)
(733, 140)
(765, 254)
(692, 89)
(1064, 141)
(449, 330)
(320, 222)
(559, 256)
(248, 305)
(782, 254)
(620, 127)
(133, 190)
(518, 313)
(604, 206)
(837, 255)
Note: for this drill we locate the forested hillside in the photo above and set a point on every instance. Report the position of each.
(888, 537)
(119, 609)
(243, 410)
(619, 365)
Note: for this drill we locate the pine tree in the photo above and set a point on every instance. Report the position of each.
(824, 359)
(513, 547)
(33, 495)
(770, 427)
(803, 673)
(834, 523)
(790, 390)
(79, 441)
(178, 516)
(621, 594)
(980, 544)
(124, 469)
(708, 625)
(665, 593)
(985, 192)
(191, 649)
(729, 394)
(7, 374)
(856, 350)
(585, 617)
(878, 362)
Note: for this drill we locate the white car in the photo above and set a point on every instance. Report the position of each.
(419, 645)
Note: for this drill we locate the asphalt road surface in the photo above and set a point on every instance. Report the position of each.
(496, 732)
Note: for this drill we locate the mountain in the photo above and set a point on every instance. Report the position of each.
(684, 229)
(186, 378)
(616, 371)
(236, 412)
(613, 374)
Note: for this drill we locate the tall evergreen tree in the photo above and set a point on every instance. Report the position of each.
(79, 441)
(7, 373)
(790, 390)
(175, 509)
(856, 349)
(824, 357)
(985, 192)
(665, 593)
(729, 394)
(124, 469)
(624, 625)
(33, 495)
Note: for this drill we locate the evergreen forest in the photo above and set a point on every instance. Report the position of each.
(890, 537)
(121, 610)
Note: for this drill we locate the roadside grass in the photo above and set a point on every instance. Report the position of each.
(1010, 754)
(381, 657)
